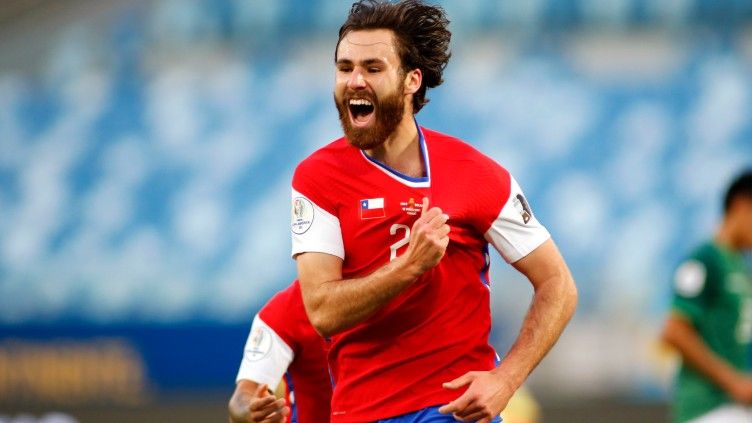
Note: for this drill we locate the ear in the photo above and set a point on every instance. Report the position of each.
(413, 79)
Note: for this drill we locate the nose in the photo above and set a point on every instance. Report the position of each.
(356, 80)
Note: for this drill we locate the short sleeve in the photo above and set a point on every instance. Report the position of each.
(691, 289)
(515, 232)
(266, 355)
(314, 224)
(314, 229)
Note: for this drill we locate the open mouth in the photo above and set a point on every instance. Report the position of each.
(361, 111)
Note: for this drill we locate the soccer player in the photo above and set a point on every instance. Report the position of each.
(282, 342)
(710, 323)
(391, 226)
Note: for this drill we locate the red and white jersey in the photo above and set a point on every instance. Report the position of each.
(346, 204)
(282, 343)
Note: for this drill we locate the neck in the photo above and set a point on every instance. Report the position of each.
(724, 236)
(401, 151)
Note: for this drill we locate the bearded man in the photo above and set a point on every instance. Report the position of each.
(391, 239)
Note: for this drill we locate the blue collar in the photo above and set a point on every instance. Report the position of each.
(420, 181)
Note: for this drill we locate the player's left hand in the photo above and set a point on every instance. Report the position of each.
(483, 400)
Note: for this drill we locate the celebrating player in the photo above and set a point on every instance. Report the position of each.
(391, 226)
(282, 342)
(710, 323)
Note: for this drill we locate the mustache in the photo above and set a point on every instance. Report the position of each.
(354, 95)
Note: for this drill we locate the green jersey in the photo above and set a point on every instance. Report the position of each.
(714, 291)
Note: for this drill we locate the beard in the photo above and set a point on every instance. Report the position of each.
(388, 110)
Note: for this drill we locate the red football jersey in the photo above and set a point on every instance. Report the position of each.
(346, 204)
(282, 342)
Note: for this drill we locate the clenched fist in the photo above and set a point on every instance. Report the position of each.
(429, 238)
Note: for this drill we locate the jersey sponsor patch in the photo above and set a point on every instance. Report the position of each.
(372, 208)
(259, 344)
(410, 207)
(302, 215)
(690, 278)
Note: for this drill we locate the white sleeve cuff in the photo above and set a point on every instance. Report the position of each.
(516, 232)
(314, 229)
(266, 356)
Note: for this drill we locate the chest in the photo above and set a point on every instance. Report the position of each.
(376, 220)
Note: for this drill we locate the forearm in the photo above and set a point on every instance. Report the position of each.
(552, 307)
(336, 305)
(695, 353)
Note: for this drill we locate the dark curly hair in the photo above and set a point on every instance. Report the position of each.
(421, 33)
(740, 187)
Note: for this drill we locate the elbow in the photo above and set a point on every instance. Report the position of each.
(571, 299)
(319, 315)
(670, 341)
(677, 331)
(666, 339)
(231, 409)
(668, 335)
(240, 401)
(324, 330)
(321, 328)
(321, 323)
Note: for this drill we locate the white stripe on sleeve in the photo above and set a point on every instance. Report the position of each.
(314, 229)
(516, 232)
(266, 356)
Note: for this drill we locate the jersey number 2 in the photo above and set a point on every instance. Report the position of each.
(401, 243)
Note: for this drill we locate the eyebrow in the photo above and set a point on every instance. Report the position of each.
(366, 62)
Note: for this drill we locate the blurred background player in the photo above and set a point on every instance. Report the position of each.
(282, 343)
(710, 323)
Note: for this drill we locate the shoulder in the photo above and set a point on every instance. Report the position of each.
(469, 170)
(695, 272)
(283, 305)
(458, 151)
(706, 253)
(283, 301)
(285, 313)
(327, 156)
(323, 169)
(271, 312)
(448, 144)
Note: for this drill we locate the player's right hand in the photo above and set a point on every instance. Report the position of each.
(429, 238)
(262, 407)
(741, 390)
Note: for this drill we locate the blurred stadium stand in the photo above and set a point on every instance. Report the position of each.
(146, 150)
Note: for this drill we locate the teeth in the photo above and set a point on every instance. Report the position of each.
(360, 102)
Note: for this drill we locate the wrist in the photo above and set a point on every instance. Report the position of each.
(406, 268)
(509, 377)
(728, 379)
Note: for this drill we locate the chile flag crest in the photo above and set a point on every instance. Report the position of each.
(372, 208)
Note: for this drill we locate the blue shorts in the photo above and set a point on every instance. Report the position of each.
(426, 415)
